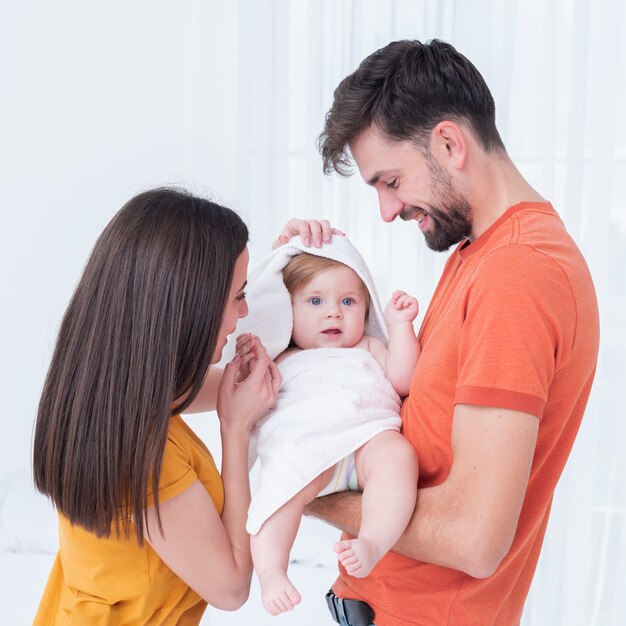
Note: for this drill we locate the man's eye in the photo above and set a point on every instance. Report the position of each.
(392, 184)
(315, 301)
(347, 301)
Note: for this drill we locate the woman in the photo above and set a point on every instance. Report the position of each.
(146, 532)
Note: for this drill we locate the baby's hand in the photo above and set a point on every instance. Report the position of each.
(246, 347)
(401, 308)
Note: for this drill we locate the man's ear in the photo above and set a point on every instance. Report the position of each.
(449, 141)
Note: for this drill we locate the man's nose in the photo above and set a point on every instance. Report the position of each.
(390, 206)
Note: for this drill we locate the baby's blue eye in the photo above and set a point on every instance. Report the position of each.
(347, 301)
(315, 301)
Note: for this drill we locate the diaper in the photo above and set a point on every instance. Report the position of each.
(344, 477)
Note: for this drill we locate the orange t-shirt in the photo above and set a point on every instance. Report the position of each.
(114, 581)
(514, 324)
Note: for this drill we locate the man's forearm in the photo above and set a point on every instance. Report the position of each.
(429, 536)
(341, 510)
(468, 522)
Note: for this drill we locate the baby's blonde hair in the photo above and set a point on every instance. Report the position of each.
(302, 268)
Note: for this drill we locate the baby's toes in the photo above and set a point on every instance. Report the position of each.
(284, 602)
(294, 597)
(353, 567)
(272, 607)
(340, 546)
(348, 559)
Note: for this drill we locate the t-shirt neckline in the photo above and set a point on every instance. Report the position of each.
(468, 248)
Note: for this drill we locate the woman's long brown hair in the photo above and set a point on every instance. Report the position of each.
(139, 332)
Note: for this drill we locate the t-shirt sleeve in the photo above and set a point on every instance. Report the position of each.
(519, 319)
(177, 473)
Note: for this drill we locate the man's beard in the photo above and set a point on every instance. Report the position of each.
(451, 220)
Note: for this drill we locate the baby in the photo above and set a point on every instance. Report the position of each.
(348, 379)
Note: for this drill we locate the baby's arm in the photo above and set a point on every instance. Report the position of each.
(400, 358)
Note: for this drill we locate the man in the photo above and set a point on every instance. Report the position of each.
(509, 342)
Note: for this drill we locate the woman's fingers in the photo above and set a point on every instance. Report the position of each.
(258, 366)
(277, 379)
(230, 372)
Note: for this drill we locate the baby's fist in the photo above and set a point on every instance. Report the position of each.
(401, 308)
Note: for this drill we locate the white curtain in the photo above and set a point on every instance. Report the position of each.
(556, 71)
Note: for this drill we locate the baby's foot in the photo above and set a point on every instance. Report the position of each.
(277, 593)
(358, 556)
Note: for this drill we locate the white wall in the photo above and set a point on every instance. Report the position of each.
(97, 102)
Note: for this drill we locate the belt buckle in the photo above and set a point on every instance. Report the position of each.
(331, 599)
(349, 612)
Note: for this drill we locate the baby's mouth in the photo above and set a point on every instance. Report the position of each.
(331, 331)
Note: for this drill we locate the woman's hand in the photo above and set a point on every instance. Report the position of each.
(312, 232)
(241, 404)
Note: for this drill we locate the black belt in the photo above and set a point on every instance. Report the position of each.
(353, 612)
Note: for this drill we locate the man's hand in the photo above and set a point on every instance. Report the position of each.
(312, 232)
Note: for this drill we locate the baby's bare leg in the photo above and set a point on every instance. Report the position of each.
(272, 544)
(387, 472)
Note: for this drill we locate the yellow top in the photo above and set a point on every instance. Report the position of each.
(114, 581)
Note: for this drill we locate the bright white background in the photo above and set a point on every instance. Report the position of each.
(101, 100)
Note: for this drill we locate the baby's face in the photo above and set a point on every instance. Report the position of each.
(329, 311)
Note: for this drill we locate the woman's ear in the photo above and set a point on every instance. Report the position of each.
(449, 141)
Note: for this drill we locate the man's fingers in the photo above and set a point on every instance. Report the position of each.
(315, 230)
(290, 229)
(281, 240)
(327, 231)
(312, 232)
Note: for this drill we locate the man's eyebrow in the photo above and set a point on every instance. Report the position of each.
(374, 179)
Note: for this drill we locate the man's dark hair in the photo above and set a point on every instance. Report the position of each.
(134, 348)
(406, 89)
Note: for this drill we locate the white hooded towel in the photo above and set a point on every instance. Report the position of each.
(332, 401)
